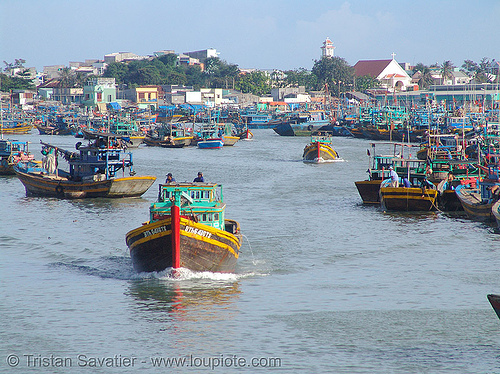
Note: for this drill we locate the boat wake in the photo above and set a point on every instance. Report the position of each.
(183, 274)
(316, 161)
(116, 267)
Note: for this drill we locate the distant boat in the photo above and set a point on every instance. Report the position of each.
(11, 153)
(302, 123)
(93, 172)
(320, 150)
(187, 228)
(11, 128)
(170, 135)
(210, 137)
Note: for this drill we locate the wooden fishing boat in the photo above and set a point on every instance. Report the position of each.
(228, 133)
(495, 303)
(186, 229)
(132, 141)
(378, 170)
(11, 153)
(449, 174)
(169, 136)
(303, 123)
(417, 195)
(478, 200)
(245, 134)
(320, 150)
(210, 137)
(408, 198)
(93, 172)
(17, 129)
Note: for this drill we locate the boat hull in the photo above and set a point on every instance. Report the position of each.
(495, 210)
(211, 144)
(318, 152)
(408, 199)
(301, 129)
(369, 191)
(202, 248)
(17, 130)
(230, 140)
(449, 202)
(495, 303)
(470, 198)
(37, 184)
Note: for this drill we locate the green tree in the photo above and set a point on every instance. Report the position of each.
(301, 77)
(117, 70)
(334, 71)
(365, 82)
(255, 82)
(8, 83)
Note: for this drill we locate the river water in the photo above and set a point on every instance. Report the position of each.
(323, 284)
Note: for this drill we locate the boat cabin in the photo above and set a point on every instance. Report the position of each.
(11, 147)
(200, 202)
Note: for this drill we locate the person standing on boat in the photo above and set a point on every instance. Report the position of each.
(394, 177)
(169, 179)
(199, 178)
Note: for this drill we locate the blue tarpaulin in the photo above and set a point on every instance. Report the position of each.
(115, 105)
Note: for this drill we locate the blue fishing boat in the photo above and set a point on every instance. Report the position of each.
(210, 137)
(11, 153)
(94, 171)
(187, 228)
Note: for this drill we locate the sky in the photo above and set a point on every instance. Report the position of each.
(261, 34)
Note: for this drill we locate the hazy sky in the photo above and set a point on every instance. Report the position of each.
(263, 34)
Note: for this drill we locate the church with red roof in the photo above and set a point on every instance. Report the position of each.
(389, 73)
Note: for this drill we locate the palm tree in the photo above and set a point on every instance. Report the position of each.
(446, 70)
(66, 78)
(425, 76)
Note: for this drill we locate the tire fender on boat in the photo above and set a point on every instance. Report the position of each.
(310, 127)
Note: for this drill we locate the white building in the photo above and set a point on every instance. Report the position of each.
(327, 50)
(389, 73)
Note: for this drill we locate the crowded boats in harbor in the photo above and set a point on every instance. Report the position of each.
(445, 140)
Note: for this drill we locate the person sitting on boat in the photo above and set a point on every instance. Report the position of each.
(426, 184)
(199, 178)
(448, 184)
(406, 183)
(495, 191)
(169, 179)
(394, 177)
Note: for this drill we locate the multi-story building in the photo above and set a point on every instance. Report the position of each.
(98, 92)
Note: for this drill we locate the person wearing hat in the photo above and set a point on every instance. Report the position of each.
(170, 178)
(199, 178)
(394, 177)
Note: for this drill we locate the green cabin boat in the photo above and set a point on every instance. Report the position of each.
(187, 228)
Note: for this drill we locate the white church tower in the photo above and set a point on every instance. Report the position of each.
(327, 48)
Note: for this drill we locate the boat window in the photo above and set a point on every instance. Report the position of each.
(197, 194)
(216, 216)
(192, 194)
(204, 219)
